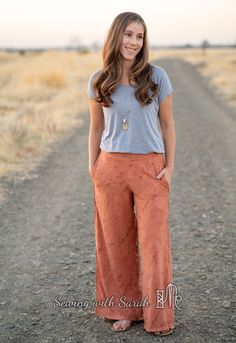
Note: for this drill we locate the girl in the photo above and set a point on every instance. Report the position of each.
(131, 161)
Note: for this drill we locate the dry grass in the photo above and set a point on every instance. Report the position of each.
(43, 96)
(218, 65)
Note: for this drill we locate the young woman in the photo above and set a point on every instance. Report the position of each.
(131, 162)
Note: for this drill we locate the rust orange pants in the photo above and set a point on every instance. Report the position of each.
(133, 253)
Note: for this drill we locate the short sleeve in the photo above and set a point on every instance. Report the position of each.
(165, 86)
(90, 89)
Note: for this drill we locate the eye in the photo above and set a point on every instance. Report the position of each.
(129, 34)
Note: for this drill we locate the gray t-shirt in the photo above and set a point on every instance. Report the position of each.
(143, 134)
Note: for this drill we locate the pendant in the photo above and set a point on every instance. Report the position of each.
(125, 124)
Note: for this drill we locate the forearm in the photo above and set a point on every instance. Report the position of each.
(94, 145)
(169, 139)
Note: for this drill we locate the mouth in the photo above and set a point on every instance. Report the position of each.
(130, 49)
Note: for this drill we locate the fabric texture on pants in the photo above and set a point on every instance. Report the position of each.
(133, 253)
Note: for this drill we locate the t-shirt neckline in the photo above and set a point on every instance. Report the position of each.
(121, 85)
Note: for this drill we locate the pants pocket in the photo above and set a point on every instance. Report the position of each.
(158, 166)
(165, 181)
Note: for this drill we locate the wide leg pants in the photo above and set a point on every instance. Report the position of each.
(133, 253)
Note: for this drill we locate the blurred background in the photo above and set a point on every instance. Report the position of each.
(48, 49)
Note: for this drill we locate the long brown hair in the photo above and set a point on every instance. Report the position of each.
(140, 72)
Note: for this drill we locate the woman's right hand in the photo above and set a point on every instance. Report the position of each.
(90, 169)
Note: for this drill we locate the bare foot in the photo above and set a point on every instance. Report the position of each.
(164, 332)
(121, 325)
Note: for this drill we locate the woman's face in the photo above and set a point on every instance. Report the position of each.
(132, 41)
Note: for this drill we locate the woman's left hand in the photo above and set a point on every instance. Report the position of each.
(167, 172)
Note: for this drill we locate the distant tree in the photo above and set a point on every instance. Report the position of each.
(205, 44)
(188, 46)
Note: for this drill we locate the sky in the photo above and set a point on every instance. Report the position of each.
(49, 23)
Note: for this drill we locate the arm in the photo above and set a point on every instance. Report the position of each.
(168, 131)
(95, 131)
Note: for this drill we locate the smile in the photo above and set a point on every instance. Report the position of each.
(130, 49)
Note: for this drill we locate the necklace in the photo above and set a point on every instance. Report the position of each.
(125, 124)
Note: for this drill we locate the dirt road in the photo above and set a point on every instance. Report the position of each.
(47, 235)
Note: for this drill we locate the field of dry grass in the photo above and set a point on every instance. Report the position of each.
(218, 65)
(43, 96)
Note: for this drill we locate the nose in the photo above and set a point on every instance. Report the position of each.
(133, 42)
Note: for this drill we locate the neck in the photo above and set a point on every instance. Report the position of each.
(126, 66)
